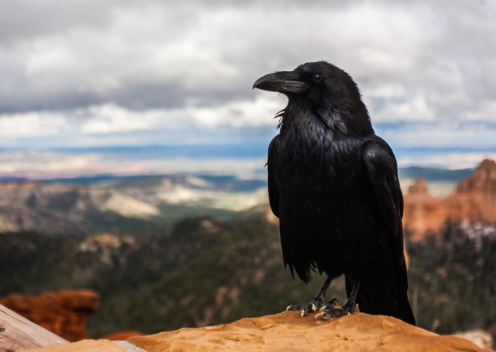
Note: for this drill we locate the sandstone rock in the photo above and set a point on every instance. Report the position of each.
(423, 213)
(483, 180)
(418, 187)
(288, 332)
(473, 201)
(64, 313)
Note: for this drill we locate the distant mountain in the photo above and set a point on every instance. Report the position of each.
(55, 209)
(129, 205)
(13, 179)
(213, 182)
(412, 172)
(433, 174)
(146, 203)
(221, 181)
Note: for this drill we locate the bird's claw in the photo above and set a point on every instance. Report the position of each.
(336, 311)
(303, 309)
(317, 304)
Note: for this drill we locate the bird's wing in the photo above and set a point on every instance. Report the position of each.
(380, 165)
(273, 193)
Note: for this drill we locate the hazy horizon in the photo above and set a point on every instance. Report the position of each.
(242, 160)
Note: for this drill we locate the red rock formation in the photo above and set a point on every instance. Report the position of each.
(474, 201)
(63, 313)
(475, 198)
(423, 213)
(482, 181)
(123, 335)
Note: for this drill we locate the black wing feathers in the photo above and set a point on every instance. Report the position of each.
(273, 194)
(380, 165)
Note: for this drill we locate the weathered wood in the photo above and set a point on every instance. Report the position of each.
(18, 333)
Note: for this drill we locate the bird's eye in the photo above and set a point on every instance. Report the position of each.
(317, 78)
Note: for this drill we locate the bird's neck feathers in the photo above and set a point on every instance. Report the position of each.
(345, 120)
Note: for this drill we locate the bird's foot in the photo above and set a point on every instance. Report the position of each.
(336, 311)
(318, 303)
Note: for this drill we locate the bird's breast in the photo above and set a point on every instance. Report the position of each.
(310, 159)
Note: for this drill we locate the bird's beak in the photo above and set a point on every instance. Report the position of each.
(283, 82)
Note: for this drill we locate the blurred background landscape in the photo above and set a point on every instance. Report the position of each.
(132, 155)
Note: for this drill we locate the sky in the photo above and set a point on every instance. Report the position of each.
(93, 74)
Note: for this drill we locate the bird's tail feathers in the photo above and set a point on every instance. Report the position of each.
(373, 301)
(403, 310)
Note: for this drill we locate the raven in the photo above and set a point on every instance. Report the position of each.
(334, 186)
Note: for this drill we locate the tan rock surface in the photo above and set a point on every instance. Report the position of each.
(288, 332)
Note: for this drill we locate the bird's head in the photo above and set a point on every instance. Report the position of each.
(322, 87)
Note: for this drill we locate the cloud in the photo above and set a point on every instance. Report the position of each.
(244, 121)
(99, 72)
(453, 161)
(439, 135)
(32, 124)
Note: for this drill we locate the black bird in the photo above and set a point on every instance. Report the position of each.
(334, 186)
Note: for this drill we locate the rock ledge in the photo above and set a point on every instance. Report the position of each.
(287, 332)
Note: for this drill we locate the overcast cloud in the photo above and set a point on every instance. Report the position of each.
(79, 73)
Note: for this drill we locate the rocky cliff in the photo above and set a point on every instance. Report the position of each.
(472, 202)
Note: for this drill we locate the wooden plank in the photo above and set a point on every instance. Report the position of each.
(18, 333)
